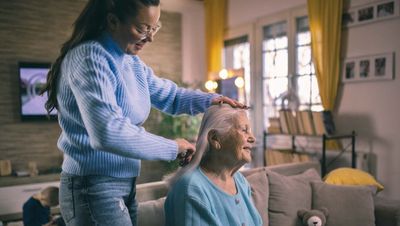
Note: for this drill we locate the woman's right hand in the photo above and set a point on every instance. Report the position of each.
(185, 151)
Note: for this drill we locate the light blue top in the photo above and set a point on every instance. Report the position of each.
(104, 97)
(196, 201)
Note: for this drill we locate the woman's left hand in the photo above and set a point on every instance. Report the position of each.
(227, 100)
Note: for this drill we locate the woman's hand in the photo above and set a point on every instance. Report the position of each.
(185, 151)
(227, 100)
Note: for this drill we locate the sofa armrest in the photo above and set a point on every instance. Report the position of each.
(151, 213)
(387, 212)
(151, 191)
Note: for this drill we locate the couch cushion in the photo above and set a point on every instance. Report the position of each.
(248, 172)
(387, 211)
(151, 213)
(349, 176)
(347, 204)
(260, 193)
(288, 194)
(289, 169)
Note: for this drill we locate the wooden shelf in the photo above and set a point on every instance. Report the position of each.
(324, 138)
(14, 180)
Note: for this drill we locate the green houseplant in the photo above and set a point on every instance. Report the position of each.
(172, 127)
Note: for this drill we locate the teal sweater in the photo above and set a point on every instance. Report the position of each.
(104, 97)
(196, 201)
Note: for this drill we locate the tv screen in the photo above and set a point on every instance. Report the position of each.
(32, 77)
(228, 88)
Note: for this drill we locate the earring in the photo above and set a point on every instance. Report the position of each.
(217, 145)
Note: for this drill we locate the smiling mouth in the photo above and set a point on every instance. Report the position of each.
(247, 149)
(139, 46)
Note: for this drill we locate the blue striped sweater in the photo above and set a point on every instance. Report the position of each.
(104, 97)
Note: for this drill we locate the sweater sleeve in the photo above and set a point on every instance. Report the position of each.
(169, 98)
(93, 84)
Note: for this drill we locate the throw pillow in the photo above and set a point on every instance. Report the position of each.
(151, 213)
(260, 192)
(350, 176)
(347, 204)
(287, 195)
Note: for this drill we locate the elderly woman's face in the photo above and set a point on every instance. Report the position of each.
(239, 140)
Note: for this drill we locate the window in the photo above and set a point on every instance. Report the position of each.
(285, 84)
(307, 85)
(275, 66)
(236, 55)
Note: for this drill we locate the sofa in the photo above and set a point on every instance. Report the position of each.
(280, 191)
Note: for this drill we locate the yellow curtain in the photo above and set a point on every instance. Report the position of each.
(215, 15)
(325, 18)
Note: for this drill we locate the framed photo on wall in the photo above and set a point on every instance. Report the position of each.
(383, 66)
(385, 9)
(365, 69)
(350, 70)
(380, 10)
(365, 14)
(368, 68)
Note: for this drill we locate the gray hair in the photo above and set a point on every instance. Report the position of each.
(217, 117)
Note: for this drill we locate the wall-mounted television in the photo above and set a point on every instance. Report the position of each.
(227, 87)
(32, 77)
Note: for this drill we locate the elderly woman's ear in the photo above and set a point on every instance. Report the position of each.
(214, 139)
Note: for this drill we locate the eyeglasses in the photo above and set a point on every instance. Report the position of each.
(146, 30)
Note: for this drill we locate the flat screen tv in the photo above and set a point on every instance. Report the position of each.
(228, 88)
(32, 77)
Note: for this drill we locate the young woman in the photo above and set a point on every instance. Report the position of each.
(103, 93)
(211, 191)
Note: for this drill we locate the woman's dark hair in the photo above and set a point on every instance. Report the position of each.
(88, 26)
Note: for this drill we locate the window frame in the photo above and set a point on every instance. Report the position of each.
(254, 31)
(290, 16)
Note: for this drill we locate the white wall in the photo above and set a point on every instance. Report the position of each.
(241, 12)
(193, 42)
(372, 108)
(369, 108)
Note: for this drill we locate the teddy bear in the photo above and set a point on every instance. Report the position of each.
(314, 217)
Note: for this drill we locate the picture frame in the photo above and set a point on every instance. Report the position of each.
(368, 68)
(372, 12)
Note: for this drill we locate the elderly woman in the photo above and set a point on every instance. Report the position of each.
(211, 191)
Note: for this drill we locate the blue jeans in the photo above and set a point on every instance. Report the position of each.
(98, 200)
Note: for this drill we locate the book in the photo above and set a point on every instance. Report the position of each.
(308, 123)
(277, 156)
(323, 122)
(300, 123)
(274, 125)
(291, 122)
(328, 122)
(318, 120)
(283, 121)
